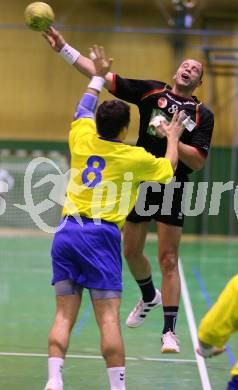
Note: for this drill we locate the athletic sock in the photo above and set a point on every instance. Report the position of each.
(116, 377)
(55, 366)
(147, 289)
(170, 317)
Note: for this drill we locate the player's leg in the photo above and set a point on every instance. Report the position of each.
(68, 299)
(169, 240)
(108, 318)
(134, 235)
(134, 241)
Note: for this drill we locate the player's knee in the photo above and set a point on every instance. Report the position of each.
(112, 351)
(65, 322)
(130, 251)
(169, 262)
(110, 321)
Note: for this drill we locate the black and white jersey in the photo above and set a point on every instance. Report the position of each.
(155, 98)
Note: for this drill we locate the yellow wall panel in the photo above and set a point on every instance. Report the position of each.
(39, 91)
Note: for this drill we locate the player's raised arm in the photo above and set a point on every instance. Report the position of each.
(173, 132)
(85, 65)
(102, 65)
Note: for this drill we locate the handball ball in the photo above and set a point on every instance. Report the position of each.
(39, 16)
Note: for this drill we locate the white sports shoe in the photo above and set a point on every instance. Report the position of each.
(142, 309)
(54, 384)
(170, 343)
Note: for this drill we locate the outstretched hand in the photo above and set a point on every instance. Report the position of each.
(102, 64)
(175, 127)
(54, 38)
(214, 352)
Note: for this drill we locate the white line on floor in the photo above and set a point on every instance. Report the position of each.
(193, 330)
(148, 359)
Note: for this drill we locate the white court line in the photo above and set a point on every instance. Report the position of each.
(193, 330)
(148, 359)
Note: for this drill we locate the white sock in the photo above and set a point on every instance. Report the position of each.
(117, 378)
(55, 365)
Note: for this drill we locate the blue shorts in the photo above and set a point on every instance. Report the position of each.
(89, 255)
(233, 384)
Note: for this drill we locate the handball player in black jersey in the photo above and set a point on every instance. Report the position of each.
(156, 100)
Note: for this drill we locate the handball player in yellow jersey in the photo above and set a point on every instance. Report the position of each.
(218, 325)
(86, 253)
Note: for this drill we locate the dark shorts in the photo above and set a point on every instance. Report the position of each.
(233, 384)
(88, 255)
(160, 202)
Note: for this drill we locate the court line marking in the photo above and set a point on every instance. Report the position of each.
(193, 330)
(83, 320)
(148, 359)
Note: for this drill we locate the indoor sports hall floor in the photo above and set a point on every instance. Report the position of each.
(27, 310)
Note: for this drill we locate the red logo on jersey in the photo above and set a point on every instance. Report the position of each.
(162, 102)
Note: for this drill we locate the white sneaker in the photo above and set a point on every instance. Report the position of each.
(142, 309)
(54, 384)
(170, 343)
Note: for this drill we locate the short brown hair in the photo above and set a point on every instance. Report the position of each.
(111, 117)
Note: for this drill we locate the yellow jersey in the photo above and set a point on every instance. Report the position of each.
(105, 174)
(222, 319)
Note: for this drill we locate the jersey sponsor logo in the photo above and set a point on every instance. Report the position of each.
(156, 112)
(173, 109)
(173, 99)
(180, 102)
(162, 102)
(189, 102)
(188, 122)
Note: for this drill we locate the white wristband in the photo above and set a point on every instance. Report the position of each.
(69, 54)
(206, 352)
(97, 83)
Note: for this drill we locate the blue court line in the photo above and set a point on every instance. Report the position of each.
(208, 300)
(83, 320)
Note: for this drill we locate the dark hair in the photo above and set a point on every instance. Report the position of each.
(111, 117)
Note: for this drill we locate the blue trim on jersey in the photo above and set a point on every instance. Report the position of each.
(110, 139)
(86, 107)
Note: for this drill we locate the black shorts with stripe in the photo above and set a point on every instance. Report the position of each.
(163, 203)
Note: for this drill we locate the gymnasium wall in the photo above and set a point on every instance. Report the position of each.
(39, 90)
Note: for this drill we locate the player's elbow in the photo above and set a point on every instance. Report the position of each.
(174, 166)
(198, 164)
(198, 160)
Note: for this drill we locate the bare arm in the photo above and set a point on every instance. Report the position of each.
(191, 156)
(173, 132)
(86, 67)
(172, 150)
(83, 64)
(88, 103)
